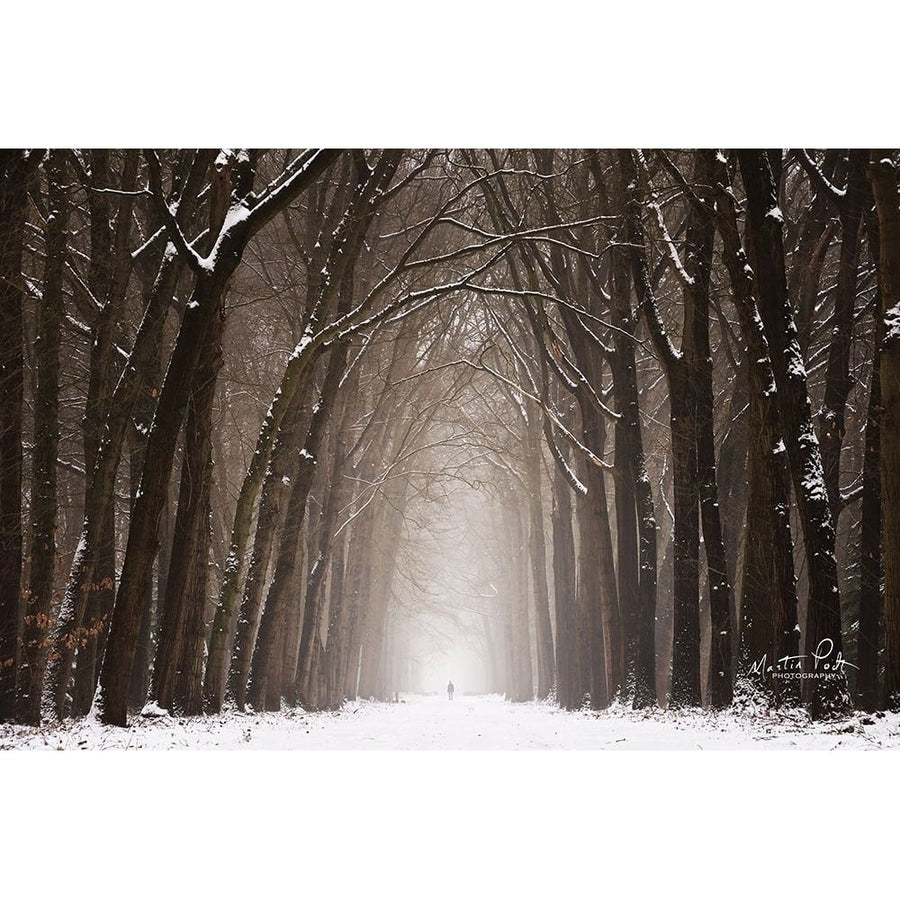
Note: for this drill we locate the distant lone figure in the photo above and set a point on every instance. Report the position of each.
(449, 690)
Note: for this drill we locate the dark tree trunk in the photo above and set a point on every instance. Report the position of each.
(283, 469)
(733, 478)
(683, 385)
(188, 697)
(596, 581)
(686, 596)
(99, 496)
(769, 628)
(140, 673)
(883, 176)
(44, 506)
(769, 599)
(307, 670)
(636, 530)
(870, 602)
(838, 380)
(601, 637)
(329, 660)
(293, 628)
(92, 637)
(205, 306)
(342, 600)
(282, 590)
(344, 242)
(698, 359)
(764, 234)
(265, 656)
(212, 280)
(16, 167)
(635, 514)
(108, 277)
(815, 237)
(182, 611)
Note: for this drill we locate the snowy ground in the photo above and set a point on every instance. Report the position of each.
(466, 723)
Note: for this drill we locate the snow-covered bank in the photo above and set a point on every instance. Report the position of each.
(466, 723)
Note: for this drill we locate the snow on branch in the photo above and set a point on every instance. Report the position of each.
(669, 165)
(197, 264)
(817, 176)
(653, 203)
(304, 170)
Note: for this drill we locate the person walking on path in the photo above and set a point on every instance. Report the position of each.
(449, 690)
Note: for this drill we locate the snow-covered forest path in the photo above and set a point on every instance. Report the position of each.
(467, 723)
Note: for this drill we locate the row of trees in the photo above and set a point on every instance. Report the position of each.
(238, 387)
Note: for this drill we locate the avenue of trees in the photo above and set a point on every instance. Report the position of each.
(648, 400)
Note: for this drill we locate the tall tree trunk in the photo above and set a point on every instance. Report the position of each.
(293, 628)
(99, 496)
(282, 590)
(345, 243)
(635, 518)
(523, 675)
(686, 596)
(537, 552)
(827, 695)
(599, 594)
(594, 587)
(733, 499)
(683, 383)
(336, 635)
(143, 418)
(313, 665)
(870, 602)
(585, 608)
(212, 278)
(307, 673)
(16, 167)
(44, 506)
(883, 175)
(357, 580)
(568, 694)
(182, 611)
(205, 306)
(188, 697)
(108, 276)
(99, 606)
(698, 359)
(838, 380)
(815, 238)
(636, 530)
(272, 624)
(282, 471)
(769, 627)
(140, 672)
